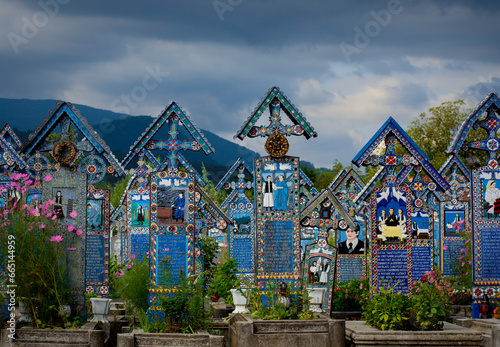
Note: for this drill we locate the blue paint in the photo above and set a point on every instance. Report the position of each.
(139, 245)
(172, 256)
(94, 267)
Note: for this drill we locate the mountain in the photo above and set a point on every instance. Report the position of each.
(26, 114)
(120, 132)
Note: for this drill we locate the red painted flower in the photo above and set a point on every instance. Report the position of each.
(423, 279)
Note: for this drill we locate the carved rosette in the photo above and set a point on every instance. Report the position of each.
(276, 145)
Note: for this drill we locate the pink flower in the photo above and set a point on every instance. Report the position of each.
(42, 226)
(54, 217)
(132, 256)
(57, 238)
(463, 263)
(50, 202)
(71, 248)
(73, 214)
(445, 247)
(47, 178)
(71, 227)
(79, 232)
(166, 249)
(470, 262)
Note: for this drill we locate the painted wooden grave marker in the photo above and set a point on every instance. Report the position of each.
(485, 198)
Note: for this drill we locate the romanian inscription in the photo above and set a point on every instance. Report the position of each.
(349, 268)
(139, 245)
(242, 252)
(278, 246)
(95, 259)
(421, 262)
(392, 267)
(490, 242)
(172, 254)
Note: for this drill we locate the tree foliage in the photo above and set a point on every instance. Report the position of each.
(433, 131)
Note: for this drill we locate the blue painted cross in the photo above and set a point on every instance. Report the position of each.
(173, 145)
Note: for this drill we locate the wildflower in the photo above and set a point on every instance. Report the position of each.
(71, 227)
(424, 279)
(73, 214)
(132, 256)
(57, 238)
(47, 178)
(445, 247)
(71, 248)
(54, 217)
(79, 232)
(166, 249)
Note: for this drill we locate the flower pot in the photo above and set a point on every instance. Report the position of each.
(65, 310)
(239, 301)
(247, 332)
(100, 308)
(316, 296)
(140, 338)
(54, 337)
(358, 333)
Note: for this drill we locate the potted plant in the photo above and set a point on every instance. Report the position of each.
(223, 281)
(272, 320)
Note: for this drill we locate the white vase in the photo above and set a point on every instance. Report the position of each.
(100, 308)
(239, 301)
(316, 296)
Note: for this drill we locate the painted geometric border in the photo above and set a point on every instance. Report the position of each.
(375, 247)
(480, 223)
(289, 215)
(250, 235)
(448, 206)
(78, 181)
(101, 289)
(156, 230)
(331, 276)
(133, 230)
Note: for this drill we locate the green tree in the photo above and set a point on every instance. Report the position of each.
(434, 131)
(217, 196)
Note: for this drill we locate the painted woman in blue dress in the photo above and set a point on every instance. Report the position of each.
(281, 194)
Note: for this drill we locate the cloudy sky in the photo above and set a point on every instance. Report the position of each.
(346, 65)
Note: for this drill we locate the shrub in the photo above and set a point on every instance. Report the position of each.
(35, 246)
(132, 284)
(347, 296)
